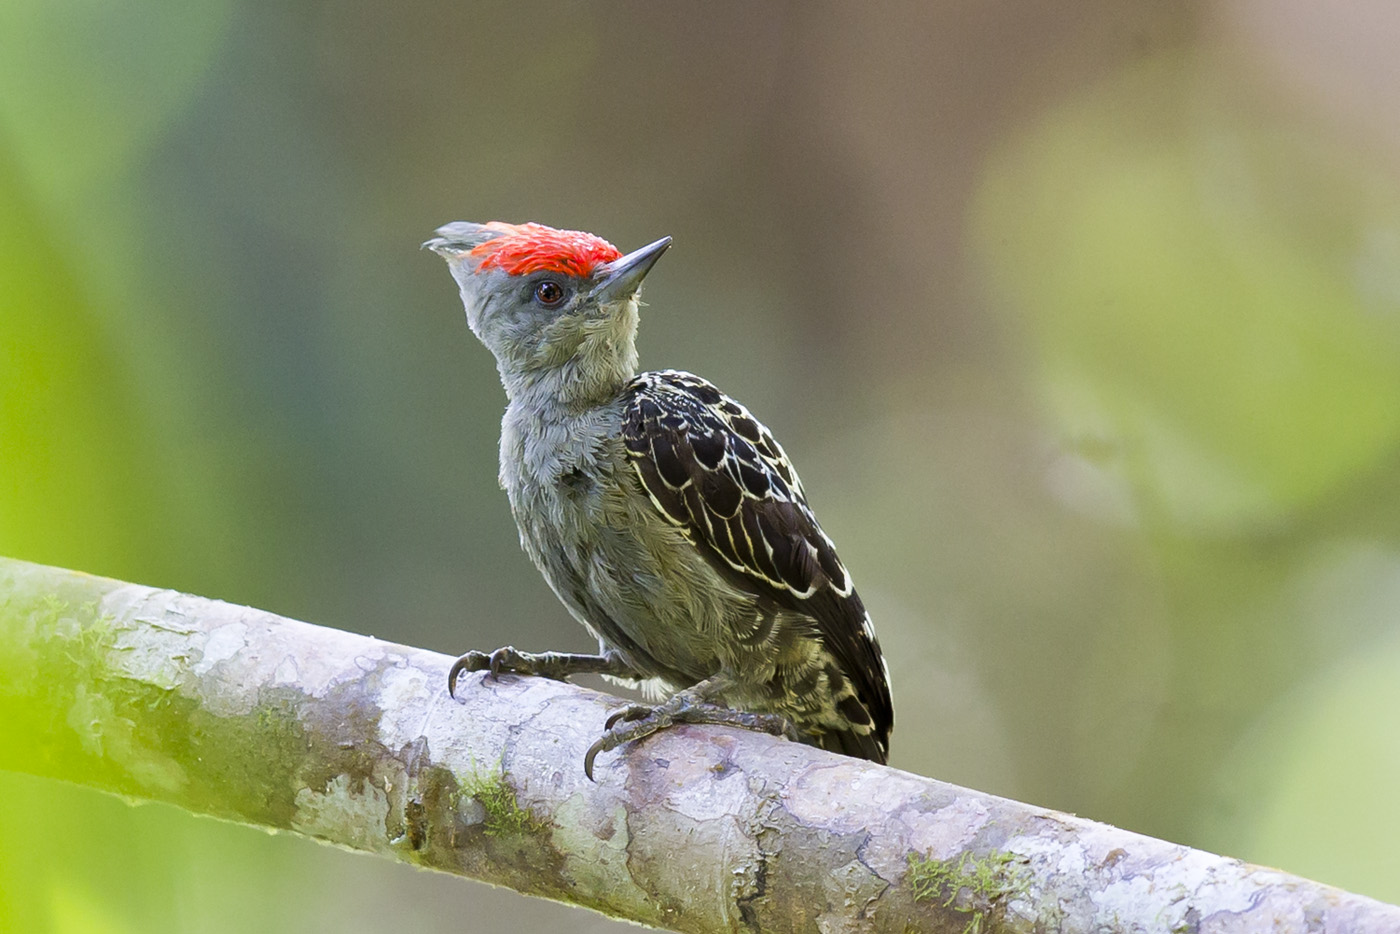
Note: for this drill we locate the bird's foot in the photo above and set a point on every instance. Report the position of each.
(559, 666)
(639, 721)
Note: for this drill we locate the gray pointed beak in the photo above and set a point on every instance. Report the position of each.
(623, 276)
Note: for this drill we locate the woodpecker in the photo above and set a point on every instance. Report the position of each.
(663, 515)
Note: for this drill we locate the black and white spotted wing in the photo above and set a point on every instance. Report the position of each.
(717, 473)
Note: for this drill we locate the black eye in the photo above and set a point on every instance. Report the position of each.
(549, 293)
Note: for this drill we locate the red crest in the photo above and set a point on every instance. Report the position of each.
(527, 248)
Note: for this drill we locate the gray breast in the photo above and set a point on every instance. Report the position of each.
(612, 560)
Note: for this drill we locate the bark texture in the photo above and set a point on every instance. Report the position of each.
(244, 715)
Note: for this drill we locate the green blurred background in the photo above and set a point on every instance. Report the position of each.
(1082, 322)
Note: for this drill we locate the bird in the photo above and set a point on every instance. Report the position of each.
(664, 515)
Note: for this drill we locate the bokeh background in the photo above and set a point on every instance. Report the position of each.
(1081, 320)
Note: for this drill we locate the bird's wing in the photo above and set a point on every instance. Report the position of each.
(716, 472)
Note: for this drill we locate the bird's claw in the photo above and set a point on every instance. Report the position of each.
(634, 712)
(639, 721)
(505, 660)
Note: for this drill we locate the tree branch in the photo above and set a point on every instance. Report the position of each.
(240, 714)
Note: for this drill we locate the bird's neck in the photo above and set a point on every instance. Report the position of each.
(570, 387)
(555, 418)
(580, 364)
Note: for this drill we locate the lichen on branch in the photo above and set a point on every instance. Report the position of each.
(241, 714)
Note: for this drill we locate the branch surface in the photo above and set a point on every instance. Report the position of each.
(244, 715)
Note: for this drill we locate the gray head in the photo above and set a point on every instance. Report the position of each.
(559, 305)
